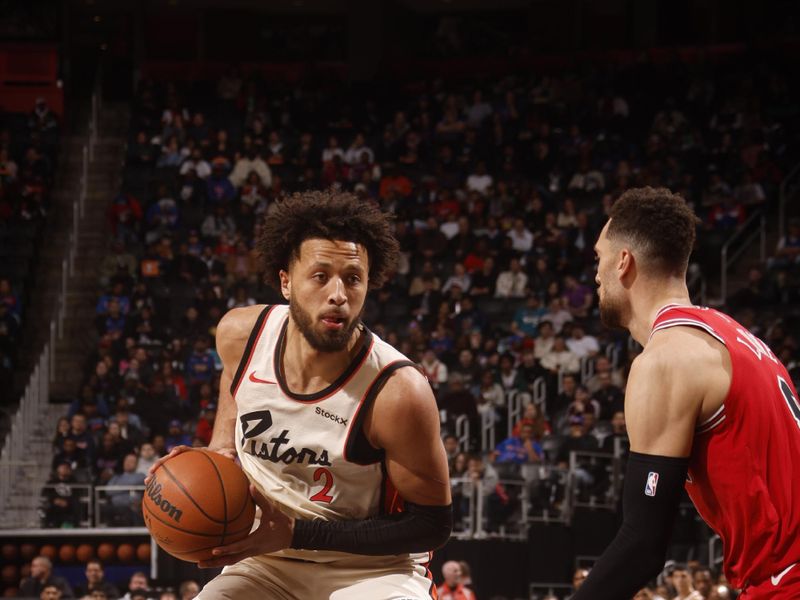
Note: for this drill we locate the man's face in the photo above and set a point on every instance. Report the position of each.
(129, 464)
(51, 592)
(618, 422)
(39, 568)
(682, 581)
(192, 589)
(452, 573)
(138, 582)
(613, 307)
(450, 445)
(702, 582)
(94, 572)
(326, 287)
(78, 423)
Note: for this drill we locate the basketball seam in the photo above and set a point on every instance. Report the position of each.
(244, 506)
(224, 498)
(197, 533)
(188, 495)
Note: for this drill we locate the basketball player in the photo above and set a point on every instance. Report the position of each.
(707, 406)
(337, 431)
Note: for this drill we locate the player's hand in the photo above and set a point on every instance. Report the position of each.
(274, 533)
(229, 452)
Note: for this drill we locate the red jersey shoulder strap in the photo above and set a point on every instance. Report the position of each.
(676, 315)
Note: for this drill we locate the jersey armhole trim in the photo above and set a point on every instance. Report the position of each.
(684, 322)
(357, 448)
(258, 327)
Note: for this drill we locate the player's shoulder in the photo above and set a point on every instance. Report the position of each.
(681, 344)
(683, 350)
(237, 323)
(234, 329)
(407, 380)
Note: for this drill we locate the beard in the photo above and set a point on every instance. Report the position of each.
(323, 341)
(612, 313)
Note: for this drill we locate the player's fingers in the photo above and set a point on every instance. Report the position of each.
(174, 452)
(266, 506)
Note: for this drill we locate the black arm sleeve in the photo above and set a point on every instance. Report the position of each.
(652, 492)
(417, 529)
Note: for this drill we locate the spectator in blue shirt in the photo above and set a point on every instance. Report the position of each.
(519, 450)
(527, 317)
(113, 322)
(117, 293)
(200, 366)
(176, 436)
(220, 188)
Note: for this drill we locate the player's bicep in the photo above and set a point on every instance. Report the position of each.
(661, 407)
(405, 423)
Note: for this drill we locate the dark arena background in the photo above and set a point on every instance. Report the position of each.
(142, 143)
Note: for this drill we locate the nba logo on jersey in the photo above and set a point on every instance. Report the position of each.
(652, 484)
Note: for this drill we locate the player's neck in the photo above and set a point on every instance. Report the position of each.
(306, 368)
(646, 303)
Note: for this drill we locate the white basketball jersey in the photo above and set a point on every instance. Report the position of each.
(308, 452)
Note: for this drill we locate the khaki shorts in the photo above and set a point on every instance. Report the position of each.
(274, 578)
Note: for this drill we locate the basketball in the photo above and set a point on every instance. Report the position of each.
(27, 551)
(9, 574)
(105, 552)
(49, 551)
(66, 554)
(9, 552)
(196, 501)
(143, 553)
(125, 553)
(84, 552)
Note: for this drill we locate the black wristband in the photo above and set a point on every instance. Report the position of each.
(650, 499)
(417, 529)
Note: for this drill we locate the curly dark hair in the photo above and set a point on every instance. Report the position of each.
(659, 224)
(329, 215)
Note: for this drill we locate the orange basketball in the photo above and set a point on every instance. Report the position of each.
(196, 501)
(105, 552)
(9, 574)
(125, 553)
(143, 553)
(9, 552)
(27, 551)
(49, 551)
(84, 553)
(66, 554)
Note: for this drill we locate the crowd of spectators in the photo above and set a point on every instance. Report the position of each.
(28, 153)
(43, 583)
(499, 191)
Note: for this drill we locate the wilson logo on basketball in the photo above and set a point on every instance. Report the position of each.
(153, 491)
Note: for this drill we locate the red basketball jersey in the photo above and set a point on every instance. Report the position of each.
(744, 471)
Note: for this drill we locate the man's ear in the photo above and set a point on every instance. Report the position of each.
(626, 265)
(286, 284)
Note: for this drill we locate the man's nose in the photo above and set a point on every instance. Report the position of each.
(337, 295)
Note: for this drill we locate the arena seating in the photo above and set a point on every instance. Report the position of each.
(499, 191)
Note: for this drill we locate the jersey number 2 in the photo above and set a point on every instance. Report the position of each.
(791, 401)
(322, 495)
